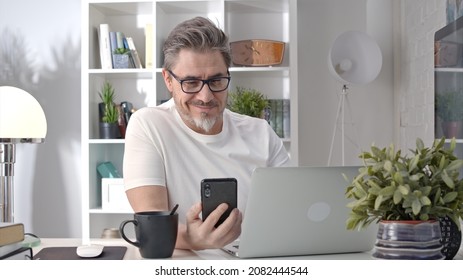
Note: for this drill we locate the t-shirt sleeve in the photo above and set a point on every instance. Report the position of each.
(143, 160)
(278, 156)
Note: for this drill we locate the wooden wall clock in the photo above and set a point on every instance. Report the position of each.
(257, 52)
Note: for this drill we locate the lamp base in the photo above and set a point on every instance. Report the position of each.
(7, 160)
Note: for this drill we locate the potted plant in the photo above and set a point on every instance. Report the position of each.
(394, 189)
(247, 101)
(449, 108)
(121, 58)
(109, 126)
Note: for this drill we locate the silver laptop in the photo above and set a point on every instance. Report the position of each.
(299, 211)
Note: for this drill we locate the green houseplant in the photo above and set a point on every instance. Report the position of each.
(449, 108)
(424, 186)
(247, 101)
(109, 126)
(391, 186)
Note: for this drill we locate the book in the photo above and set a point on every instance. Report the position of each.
(279, 118)
(23, 253)
(279, 110)
(286, 118)
(130, 54)
(11, 233)
(149, 46)
(105, 46)
(119, 40)
(136, 57)
(113, 43)
(6, 249)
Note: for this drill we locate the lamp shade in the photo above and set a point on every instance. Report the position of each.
(355, 58)
(22, 119)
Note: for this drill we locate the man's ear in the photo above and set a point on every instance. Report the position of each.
(167, 80)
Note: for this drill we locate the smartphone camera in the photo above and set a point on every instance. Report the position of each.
(207, 190)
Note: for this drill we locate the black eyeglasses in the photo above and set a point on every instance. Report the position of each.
(192, 86)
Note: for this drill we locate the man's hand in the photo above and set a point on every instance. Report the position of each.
(203, 235)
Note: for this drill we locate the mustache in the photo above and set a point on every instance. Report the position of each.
(211, 103)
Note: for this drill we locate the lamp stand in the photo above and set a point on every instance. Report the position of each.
(7, 160)
(341, 114)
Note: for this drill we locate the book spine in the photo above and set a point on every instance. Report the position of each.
(136, 57)
(113, 44)
(120, 40)
(105, 47)
(279, 117)
(273, 110)
(130, 54)
(286, 118)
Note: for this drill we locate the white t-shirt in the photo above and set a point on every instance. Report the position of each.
(161, 150)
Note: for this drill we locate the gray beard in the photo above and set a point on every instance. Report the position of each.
(205, 123)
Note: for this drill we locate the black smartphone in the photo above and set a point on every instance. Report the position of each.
(215, 191)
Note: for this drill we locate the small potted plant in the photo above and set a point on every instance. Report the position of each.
(449, 108)
(109, 126)
(247, 101)
(121, 58)
(415, 191)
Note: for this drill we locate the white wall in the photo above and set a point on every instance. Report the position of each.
(43, 43)
(416, 23)
(319, 23)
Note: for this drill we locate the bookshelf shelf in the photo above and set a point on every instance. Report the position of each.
(241, 19)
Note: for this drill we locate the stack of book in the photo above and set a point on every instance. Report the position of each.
(11, 242)
(279, 118)
(110, 41)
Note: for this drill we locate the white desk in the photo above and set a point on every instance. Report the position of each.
(133, 253)
(216, 254)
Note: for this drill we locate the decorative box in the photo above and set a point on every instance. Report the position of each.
(113, 195)
(257, 52)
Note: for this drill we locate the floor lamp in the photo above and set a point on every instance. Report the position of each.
(22, 120)
(354, 58)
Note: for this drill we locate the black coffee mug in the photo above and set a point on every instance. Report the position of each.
(155, 232)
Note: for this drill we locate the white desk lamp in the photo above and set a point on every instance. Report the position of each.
(22, 120)
(354, 58)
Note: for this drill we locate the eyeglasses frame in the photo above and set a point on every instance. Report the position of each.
(203, 81)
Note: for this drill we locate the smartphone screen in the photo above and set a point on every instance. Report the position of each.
(215, 191)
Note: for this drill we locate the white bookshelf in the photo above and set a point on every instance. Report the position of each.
(241, 19)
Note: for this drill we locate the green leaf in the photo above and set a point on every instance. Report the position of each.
(378, 201)
(413, 163)
(447, 180)
(449, 197)
(404, 190)
(419, 144)
(387, 191)
(455, 165)
(416, 206)
(388, 166)
(425, 200)
(397, 196)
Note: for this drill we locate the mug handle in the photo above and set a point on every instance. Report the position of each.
(121, 230)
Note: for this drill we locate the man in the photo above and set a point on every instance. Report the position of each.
(170, 148)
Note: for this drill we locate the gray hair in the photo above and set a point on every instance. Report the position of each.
(197, 34)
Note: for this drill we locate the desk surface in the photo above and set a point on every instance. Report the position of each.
(133, 253)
